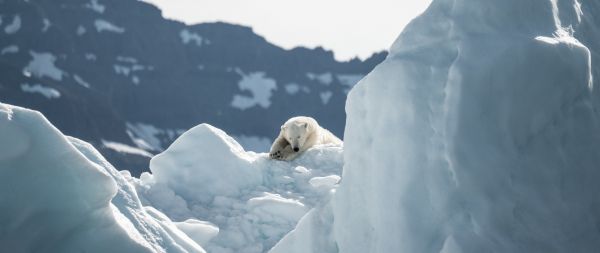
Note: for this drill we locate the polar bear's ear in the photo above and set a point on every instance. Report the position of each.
(282, 127)
(305, 125)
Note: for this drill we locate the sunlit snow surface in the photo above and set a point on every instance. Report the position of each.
(478, 136)
(205, 192)
(58, 194)
(254, 201)
(479, 133)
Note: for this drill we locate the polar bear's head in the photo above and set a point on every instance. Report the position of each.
(296, 133)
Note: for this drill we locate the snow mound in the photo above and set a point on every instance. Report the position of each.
(252, 201)
(200, 231)
(221, 165)
(58, 194)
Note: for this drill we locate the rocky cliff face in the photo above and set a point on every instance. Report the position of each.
(117, 74)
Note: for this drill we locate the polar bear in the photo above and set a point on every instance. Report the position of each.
(299, 134)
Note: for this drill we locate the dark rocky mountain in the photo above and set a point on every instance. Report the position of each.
(117, 74)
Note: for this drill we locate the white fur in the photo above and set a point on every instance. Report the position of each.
(301, 133)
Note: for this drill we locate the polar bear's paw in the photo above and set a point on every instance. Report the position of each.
(276, 155)
(285, 154)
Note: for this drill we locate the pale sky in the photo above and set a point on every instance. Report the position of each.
(348, 27)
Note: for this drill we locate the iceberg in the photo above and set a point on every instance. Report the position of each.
(480, 132)
(58, 194)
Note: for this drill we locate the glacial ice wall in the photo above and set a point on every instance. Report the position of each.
(478, 133)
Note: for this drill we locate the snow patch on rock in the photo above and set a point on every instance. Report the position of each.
(325, 78)
(148, 137)
(80, 30)
(46, 26)
(127, 65)
(325, 96)
(42, 65)
(127, 59)
(49, 93)
(12, 49)
(90, 57)
(124, 148)
(95, 6)
(294, 88)
(188, 37)
(121, 70)
(349, 80)
(260, 87)
(14, 26)
(105, 26)
(80, 81)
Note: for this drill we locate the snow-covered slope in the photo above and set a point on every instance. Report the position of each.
(479, 133)
(57, 194)
(250, 200)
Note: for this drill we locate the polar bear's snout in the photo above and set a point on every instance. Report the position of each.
(295, 145)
